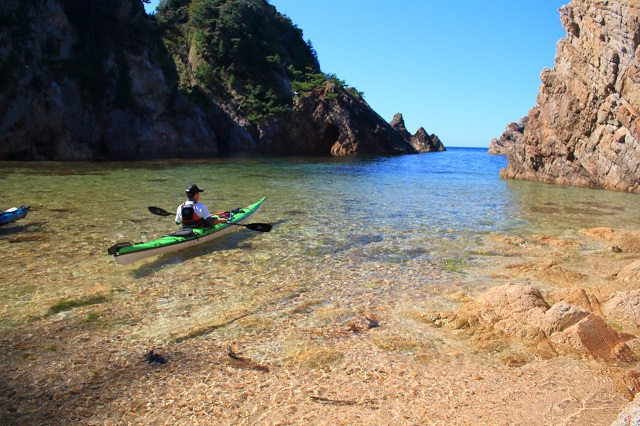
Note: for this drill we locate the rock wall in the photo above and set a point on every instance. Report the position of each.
(90, 81)
(584, 129)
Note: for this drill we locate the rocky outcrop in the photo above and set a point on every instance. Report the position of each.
(567, 297)
(421, 140)
(504, 145)
(96, 80)
(332, 121)
(397, 122)
(62, 99)
(624, 308)
(627, 241)
(584, 129)
(521, 315)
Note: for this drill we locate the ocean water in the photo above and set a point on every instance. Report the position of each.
(392, 224)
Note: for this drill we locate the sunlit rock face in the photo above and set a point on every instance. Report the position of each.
(331, 120)
(584, 130)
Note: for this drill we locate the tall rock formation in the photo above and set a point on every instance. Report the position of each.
(421, 140)
(92, 80)
(585, 128)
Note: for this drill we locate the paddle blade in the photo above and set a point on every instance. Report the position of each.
(159, 211)
(260, 227)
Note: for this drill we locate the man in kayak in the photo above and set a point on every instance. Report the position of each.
(194, 214)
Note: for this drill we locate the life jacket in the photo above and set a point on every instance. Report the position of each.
(189, 217)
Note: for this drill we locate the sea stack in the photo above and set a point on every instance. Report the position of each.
(421, 140)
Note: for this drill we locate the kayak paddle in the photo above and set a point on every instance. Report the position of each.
(159, 211)
(261, 227)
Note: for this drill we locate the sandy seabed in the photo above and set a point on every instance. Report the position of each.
(154, 346)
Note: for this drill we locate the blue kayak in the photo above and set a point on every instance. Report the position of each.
(13, 214)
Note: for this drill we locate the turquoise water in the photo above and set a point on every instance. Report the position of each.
(362, 219)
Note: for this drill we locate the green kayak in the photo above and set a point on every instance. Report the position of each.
(126, 253)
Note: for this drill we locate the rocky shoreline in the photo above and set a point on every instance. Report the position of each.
(563, 297)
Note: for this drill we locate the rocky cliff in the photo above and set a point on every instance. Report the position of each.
(88, 80)
(584, 129)
(103, 80)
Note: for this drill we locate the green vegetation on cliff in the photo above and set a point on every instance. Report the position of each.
(103, 79)
(240, 51)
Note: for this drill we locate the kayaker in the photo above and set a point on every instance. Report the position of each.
(192, 213)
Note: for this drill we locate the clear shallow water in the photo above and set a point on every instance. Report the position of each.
(349, 223)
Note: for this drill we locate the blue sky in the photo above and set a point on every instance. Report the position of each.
(462, 70)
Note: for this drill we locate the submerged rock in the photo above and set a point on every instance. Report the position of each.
(562, 316)
(630, 272)
(627, 241)
(517, 313)
(593, 336)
